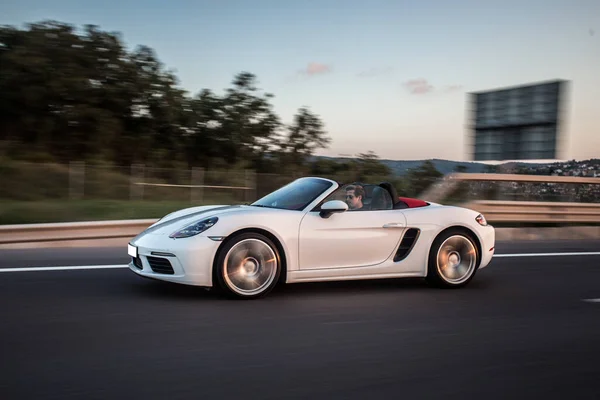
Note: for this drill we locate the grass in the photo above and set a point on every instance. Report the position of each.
(27, 212)
(39, 192)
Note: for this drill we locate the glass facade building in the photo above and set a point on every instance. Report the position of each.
(518, 123)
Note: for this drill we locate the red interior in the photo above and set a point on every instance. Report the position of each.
(412, 203)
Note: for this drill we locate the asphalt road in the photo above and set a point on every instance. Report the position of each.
(11, 258)
(520, 330)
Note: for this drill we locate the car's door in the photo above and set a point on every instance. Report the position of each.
(349, 239)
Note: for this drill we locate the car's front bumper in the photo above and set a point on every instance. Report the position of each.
(187, 261)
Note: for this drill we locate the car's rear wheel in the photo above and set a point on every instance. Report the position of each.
(453, 259)
(248, 266)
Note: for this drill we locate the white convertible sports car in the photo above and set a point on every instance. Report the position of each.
(314, 229)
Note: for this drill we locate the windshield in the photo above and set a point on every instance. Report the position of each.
(295, 195)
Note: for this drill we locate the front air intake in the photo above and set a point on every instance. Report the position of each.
(160, 265)
(407, 244)
(137, 261)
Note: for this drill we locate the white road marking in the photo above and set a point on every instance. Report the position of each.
(86, 267)
(360, 321)
(591, 300)
(588, 253)
(68, 268)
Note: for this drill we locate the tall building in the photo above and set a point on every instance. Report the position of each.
(517, 123)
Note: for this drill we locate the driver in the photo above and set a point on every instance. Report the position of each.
(354, 197)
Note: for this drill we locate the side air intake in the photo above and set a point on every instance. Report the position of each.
(407, 244)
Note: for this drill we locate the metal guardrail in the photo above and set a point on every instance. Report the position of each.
(536, 212)
(523, 178)
(31, 233)
(439, 190)
(494, 211)
(524, 211)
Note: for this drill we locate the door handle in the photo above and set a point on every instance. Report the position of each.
(394, 225)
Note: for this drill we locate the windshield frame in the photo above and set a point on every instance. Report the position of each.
(329, 186)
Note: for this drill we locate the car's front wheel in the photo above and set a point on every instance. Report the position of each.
(453, 259)
(248, 266)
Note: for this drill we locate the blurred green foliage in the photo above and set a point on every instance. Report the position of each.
(19, 212)
(70, 94)
(78, 94)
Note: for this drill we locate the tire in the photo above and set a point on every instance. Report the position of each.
(453, 260)
(243, 262)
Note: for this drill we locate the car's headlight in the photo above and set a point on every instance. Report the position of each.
(194, 228)
(481, 220)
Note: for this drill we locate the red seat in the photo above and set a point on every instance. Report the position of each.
(413, 203)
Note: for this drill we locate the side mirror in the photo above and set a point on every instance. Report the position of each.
(333, 206)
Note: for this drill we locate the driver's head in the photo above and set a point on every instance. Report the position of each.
(354, 196)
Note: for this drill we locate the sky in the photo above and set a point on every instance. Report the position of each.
(385, 76)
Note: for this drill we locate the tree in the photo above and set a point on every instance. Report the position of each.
(368, 164)
(248, 122)
(304, 136)
(80, 95)
(422, 177)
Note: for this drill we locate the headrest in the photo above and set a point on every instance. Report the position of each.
(382, 200)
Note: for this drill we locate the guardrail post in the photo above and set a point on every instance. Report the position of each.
(197, 179)
(136, 192)
(250, 182)
(76, 179)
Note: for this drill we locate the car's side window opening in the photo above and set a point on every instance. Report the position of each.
(363, 197)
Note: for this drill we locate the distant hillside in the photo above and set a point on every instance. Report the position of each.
(401, 167)
(444, 166)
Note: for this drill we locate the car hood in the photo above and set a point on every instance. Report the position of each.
(181, 218)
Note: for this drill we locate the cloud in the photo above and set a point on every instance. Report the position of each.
(418, 86)
(315, 68)
(454, 88)
(375, 72)
(422, 86)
